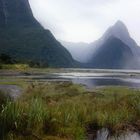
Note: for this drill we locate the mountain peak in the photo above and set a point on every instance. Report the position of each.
(120, 31)
(119, 23)
(120, 27)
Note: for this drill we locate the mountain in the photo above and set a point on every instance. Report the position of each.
(16, 13)
(120, 31)
(25, 40)
(113, 54)
(115, 49)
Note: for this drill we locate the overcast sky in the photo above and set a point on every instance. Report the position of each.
(86, 20)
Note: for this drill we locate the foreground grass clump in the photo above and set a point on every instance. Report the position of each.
(63, 111)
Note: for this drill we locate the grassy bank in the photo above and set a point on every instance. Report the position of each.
(20, 67)
(63, 111)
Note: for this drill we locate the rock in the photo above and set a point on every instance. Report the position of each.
(11, 90)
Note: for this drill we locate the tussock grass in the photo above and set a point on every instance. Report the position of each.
(20, 67)
(4, 98)
(64, 111)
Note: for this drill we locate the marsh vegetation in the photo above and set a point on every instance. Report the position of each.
(64, 111)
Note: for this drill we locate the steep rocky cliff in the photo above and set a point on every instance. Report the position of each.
(16, 13)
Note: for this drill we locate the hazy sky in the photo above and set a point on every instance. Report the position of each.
(86, 20)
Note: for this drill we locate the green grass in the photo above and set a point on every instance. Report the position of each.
(21, 83)
(20, 67)
(63, 111)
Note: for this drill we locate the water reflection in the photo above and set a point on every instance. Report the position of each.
(102, 81)
(91, 80)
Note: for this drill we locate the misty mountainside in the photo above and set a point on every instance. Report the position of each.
(115, 49)
(113, 54)
(79, 51)
(120, 31)
(25, 40)
(127, 56)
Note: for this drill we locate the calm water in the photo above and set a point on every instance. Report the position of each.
(88, 77)
(90, 83)
(96, 78)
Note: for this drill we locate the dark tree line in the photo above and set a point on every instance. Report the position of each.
(6, 59)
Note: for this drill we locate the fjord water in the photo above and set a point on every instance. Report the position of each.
(93, 78)
(90, 83)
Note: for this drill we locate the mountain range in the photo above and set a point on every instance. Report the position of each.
(115, 49)
(26, 41)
